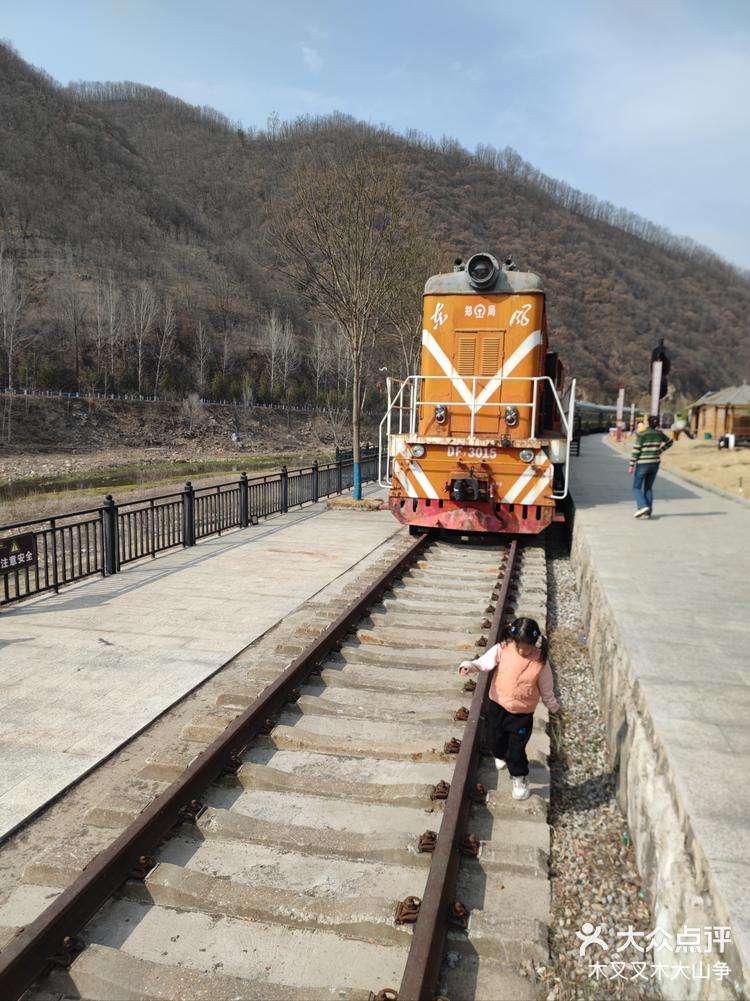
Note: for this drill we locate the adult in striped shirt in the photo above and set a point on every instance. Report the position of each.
(644, 463)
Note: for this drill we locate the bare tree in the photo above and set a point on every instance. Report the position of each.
(223, 295)
(142, 306)
(420, 259)
(202, 346)
(248, 394)
(289, 355)
(12, 300)
(113, 323)
(100, 328)
(73, 313)
(227, 344)
(193, 412)
(166, 328)
(272, 333)
(319, 356)
(341, 360)
(339, 239)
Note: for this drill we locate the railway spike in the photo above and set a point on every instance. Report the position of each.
(478, 794)
(142, 868)
(441, 790)
(407, 910)
(233, 764)
(458, 915)
(470, 846)
(427, 842)
(192, 810)
(72, 946)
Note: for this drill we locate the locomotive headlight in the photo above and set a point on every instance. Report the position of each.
(526, 455)
(417, 451)
(441, 413)
(511, 416)
(482, 270)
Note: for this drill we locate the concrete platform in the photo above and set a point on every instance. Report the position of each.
(85, 670)
(666, 604)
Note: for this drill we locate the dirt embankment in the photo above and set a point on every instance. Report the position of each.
(53, 424)
(65, 454)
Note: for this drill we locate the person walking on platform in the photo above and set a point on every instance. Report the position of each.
(644, 462)
(522, 676)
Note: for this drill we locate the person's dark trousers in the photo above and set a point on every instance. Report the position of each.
(643, 483)
(508, 734)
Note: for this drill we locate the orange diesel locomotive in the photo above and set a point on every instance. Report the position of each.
(479, 441)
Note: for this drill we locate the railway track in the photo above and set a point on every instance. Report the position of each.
(323, 835)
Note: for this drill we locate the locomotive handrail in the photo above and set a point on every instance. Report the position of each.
(568, 439)
(473, 406)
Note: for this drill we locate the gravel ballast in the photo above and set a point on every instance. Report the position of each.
(592, 863)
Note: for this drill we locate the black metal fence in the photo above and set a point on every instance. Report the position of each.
(103, 540)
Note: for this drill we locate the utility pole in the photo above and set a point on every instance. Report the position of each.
(660, 366)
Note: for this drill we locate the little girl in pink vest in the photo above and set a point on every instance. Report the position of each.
(522, 677)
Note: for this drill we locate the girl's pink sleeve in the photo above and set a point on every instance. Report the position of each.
(547, 689)
(488, 660)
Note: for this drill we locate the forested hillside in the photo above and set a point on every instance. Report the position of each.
(137, 256)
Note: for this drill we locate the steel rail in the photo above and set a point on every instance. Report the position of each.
(51, 934)
(428, 941)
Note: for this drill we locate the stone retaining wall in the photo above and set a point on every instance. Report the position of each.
(672, 864)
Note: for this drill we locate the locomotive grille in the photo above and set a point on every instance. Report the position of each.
(466, 349)
(490, 356)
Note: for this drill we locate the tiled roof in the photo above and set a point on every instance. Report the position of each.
(737, 395)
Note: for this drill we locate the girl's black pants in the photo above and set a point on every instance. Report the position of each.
(508, 734)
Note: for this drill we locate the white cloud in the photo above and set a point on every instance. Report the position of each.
(311, 58)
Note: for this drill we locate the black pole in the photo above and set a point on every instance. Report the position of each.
(110, 535)
(188, 515)
(244, 520)
(284, 481)
(315, 492)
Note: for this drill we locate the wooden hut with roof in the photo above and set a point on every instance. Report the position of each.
(725, 412)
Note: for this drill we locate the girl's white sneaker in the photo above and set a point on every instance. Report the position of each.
(520, 787)
(500, 764)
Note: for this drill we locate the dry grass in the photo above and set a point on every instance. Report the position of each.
(366, 504)
(729, 470)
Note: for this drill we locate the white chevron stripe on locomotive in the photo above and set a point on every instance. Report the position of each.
(402, 478)
(533, 340)
(418, 472)
(519, 486)
(536, 489)
(444, 362)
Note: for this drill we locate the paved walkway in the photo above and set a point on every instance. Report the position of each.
(675, 591)
(85, 670)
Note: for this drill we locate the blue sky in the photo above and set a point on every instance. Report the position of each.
(641, 103)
